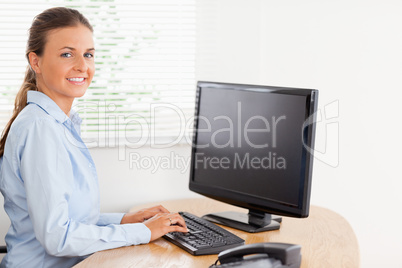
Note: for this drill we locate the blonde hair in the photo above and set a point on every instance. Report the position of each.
(50, 19)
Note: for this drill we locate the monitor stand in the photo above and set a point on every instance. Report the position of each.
(253, 222)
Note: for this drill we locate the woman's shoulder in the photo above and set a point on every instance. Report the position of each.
(32, 116)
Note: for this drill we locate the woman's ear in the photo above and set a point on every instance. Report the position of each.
(34, 62)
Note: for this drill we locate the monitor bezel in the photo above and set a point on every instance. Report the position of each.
(248, 201)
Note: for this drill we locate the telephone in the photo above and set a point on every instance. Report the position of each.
(269, 255)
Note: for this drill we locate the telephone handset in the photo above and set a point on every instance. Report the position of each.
(271, 255)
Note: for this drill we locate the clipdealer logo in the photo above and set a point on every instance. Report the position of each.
(326, 148)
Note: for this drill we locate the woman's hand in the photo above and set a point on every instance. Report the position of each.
(163, 223)
(142, 215)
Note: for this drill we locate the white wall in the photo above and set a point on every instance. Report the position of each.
(135, 180)
(350, 51)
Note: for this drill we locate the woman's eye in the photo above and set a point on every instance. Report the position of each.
(88, 55)
(66, 55)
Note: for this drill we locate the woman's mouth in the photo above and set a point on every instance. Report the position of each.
(77, 80)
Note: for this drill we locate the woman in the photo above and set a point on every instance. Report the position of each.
(47, 176)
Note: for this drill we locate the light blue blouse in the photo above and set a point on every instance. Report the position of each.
(51, 193)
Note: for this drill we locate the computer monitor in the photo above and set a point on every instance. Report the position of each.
(251, 148)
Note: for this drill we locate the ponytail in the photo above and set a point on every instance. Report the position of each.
(20, 103)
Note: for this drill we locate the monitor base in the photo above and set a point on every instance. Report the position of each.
(240, 221)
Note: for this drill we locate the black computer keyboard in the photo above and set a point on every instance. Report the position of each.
(204, 237)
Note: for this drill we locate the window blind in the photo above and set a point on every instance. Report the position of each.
(144, 86)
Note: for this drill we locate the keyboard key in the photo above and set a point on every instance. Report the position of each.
(204, 237)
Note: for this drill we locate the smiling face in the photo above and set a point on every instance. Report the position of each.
(65, 69)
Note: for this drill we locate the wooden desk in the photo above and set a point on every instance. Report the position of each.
(327, 240)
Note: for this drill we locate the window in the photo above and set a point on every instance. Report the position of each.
(144, 86)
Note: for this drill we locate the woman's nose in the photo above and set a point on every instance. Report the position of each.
(81, 65)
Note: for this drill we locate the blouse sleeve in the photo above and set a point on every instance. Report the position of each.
(48, 175)
(109, 218)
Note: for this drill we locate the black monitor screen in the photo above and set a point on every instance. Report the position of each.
(250, 146)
